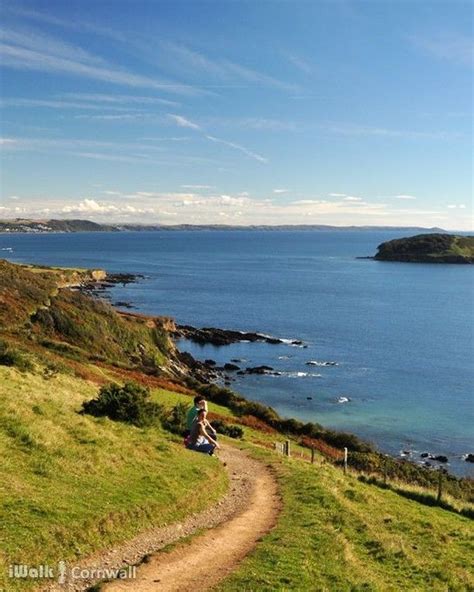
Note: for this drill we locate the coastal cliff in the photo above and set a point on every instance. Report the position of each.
(428, 248)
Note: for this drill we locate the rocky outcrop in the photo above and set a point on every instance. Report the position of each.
(428, 248)
(219, 337)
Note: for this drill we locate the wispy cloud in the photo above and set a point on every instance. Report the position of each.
(300, 63)
(30, 51)
(181, 121)
(451, 46)
(116, 98)
(59, 104)
(238, 147)
(405, 197)
(72, 24)
(350, 129)
(280, 190)
(220, 69)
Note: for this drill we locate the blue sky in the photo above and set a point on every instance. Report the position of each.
(232, 112)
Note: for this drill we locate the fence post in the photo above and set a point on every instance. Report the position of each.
(440, 486)
(385, 469)
(345, 460)
(312, 455)
(287, 448)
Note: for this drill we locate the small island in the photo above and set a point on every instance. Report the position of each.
(428, 248)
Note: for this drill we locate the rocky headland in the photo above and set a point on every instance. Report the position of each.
(428, 248)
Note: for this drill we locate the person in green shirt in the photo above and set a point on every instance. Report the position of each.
(199, 403)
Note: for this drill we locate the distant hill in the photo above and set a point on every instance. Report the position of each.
(37, 226)
(428, 248)
(42, 226)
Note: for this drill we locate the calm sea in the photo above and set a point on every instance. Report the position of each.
(401, 334)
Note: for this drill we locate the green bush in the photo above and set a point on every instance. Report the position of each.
(233, 431)
(129, 403)
(175, 420)
(13, 357)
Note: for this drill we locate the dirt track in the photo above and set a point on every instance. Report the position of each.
(211, 556)
(231, 529)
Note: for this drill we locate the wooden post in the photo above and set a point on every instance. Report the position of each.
(385, 471)
(440, 486)
(345, 460)
(312, 455)
(287, 448)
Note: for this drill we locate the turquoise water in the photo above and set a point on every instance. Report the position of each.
(401, 334)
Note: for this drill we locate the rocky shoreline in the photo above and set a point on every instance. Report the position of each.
(208, 370)
(221, 337)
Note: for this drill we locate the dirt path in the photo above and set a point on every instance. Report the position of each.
(213, 555)
(233, 527)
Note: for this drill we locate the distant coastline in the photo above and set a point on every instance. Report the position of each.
(40, 226)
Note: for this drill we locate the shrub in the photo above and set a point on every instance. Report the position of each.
(233, 431)
(175, 420)
(129, 403)
(13, 357)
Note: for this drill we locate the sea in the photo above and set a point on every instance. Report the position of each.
(398, 336)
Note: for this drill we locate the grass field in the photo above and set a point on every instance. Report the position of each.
(72, 484)
(337, 534)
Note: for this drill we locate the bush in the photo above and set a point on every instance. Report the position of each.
(129, 403)
(13, 357)
(175, 420)
(233, 431)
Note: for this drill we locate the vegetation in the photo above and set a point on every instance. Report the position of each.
(72, 484)
(129, 403)
(428, 248)
(85, 463)
(336, 533)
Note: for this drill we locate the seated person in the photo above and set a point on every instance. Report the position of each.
(200, 440)
(199, 403)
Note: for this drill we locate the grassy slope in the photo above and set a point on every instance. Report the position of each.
(338, 534)
(73, 484)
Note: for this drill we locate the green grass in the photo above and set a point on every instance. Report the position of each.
(72, 484)
(337, 534)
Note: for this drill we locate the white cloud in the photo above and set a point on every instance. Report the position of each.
(352, 198)
(31, 51)
(351, 129)
(280, 190)
(455, 206)
(196, 186)
(300, 63)
(221, 69)
(337, 195)
(235, 146)
(405, 197)
(447, 45)
(192, 208)
(183, 122)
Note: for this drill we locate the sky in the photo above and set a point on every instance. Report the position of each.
(271, 112)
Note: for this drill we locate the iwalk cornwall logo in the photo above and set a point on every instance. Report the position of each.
(62, 573)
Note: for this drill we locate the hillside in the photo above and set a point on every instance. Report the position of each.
(428, 248)
(73, 485)
(41, 226)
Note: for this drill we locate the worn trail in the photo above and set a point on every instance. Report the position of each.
(232, 527)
